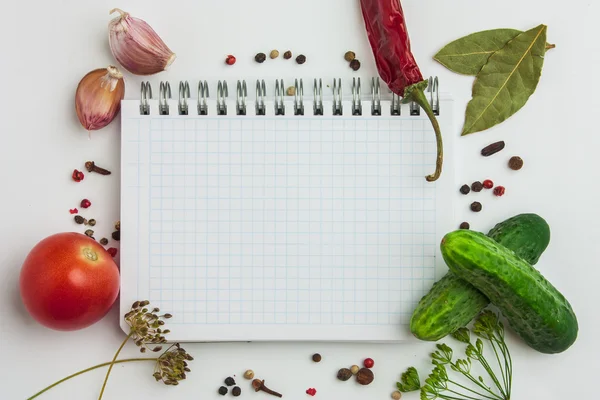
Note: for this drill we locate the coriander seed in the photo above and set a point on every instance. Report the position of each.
(365, 376)
(465, 189)
(260, 58)
(476, 186)
(249, 374)
(92, 222)
(291, 91)
(236, 391)
(344, 374)
(301, 59)
(79, 219)
(274, 54)
(104, 241)
(287, 55)
(316, 357)
(355, 65)
(515, 163)
(396, 395)
(354, 369)
(349, 56)
(223, 390)
(89, 233)
(476, 206)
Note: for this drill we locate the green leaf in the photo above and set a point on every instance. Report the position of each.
(505, 83)
(409, 381)
(470, 53)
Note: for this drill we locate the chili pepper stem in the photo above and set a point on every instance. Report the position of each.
(419, 97)
(83, 371)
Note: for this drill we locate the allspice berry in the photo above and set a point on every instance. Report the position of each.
(349, 56)
(249, 374)
(476, 206)
(301, 59)
(354, 369)
(355, 65)
(344, 374)
(515, 163)
(365, 376)
(274, 54)
(287, 55)
(260, 58)
(316, 357)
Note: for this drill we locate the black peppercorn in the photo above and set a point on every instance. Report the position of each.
(260, 58)
(465, 225)
(287, 55)
(236, 391)
(223, 390)
(465, 189)
(104, 241)
(355, 65)
(477, 186)
(79, 219)
(229, 381)
(116, 235)
(476, 206)
(301, 59)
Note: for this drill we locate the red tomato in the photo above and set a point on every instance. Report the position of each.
(68, 281)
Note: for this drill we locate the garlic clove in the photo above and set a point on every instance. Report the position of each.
(136, 46)
(98, 97)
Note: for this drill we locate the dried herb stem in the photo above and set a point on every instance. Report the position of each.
(113, 363)
(83, 371)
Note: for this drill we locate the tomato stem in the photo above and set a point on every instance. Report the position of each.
(112, 364)
(83, 371)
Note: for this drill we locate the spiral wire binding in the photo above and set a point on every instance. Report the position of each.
(318, 97)
(261, 93)
(299, 98)
(356, 103)
(184, 94)
(279, 93)
(222, 94)
(202, 96)
(337, 97)
(146, 94)
(164, 94)
(375, 97)
(242, 93)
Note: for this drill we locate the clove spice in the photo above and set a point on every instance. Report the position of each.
(92, 167)
(259, 385)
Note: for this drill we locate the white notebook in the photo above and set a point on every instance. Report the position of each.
(304, 218)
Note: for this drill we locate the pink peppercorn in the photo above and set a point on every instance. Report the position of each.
(488, 184)
(85, 203)
(368, 363)
(311, 391)
(499, 191)
(112, 251)
(77, 175)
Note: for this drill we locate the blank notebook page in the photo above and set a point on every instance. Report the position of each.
(282, 227)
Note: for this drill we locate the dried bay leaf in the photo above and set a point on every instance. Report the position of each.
(506, 81)
(470, 53)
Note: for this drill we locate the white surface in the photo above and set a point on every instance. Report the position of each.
(282, 227)
(49, 46)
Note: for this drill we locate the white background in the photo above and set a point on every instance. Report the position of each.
(48, 46)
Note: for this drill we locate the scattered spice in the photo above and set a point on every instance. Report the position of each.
(118, 225)
(301, 59)
(260, 58)
(344, 374)
(230, 59)
(229, 381)
(476, 186)
(396, 395)
(349, 56)
(112, 251)
(316, 357)
(465, 225)
(274, 54)
(488, 184)
(355, 65)
(499, 191)
(249, 374)
(92, 167)
(116, 235)
(365, 376)
(73, 211)
(104, 241)
(291, 91)
(89, 232)
(77, 175)
(92, 222)
(223, 390)
(85, 203)
(515, 163)
(79, 219)
(368, 363)
(311, 391)
(476, 206)
(259, 385)
(354, 369)
(492, 148)
(287, 55)
(236, 391)
(465, 189)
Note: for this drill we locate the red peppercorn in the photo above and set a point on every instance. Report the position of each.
(73, 211)
(368, 363)
(488, 184)
(112, 251)
(499, 191)
(85, 203)
(311, 391)
(230, 60)
(77, 175)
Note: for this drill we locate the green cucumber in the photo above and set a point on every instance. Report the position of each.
(452, 303)
(534, 308)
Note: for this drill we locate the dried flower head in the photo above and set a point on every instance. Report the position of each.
(171, 366)
(146, 326)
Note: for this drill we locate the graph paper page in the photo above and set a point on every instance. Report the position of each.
(282, 228)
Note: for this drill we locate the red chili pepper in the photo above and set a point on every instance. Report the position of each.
(388, 36)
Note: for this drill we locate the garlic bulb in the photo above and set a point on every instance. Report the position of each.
(136, 46)
(98, 97)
